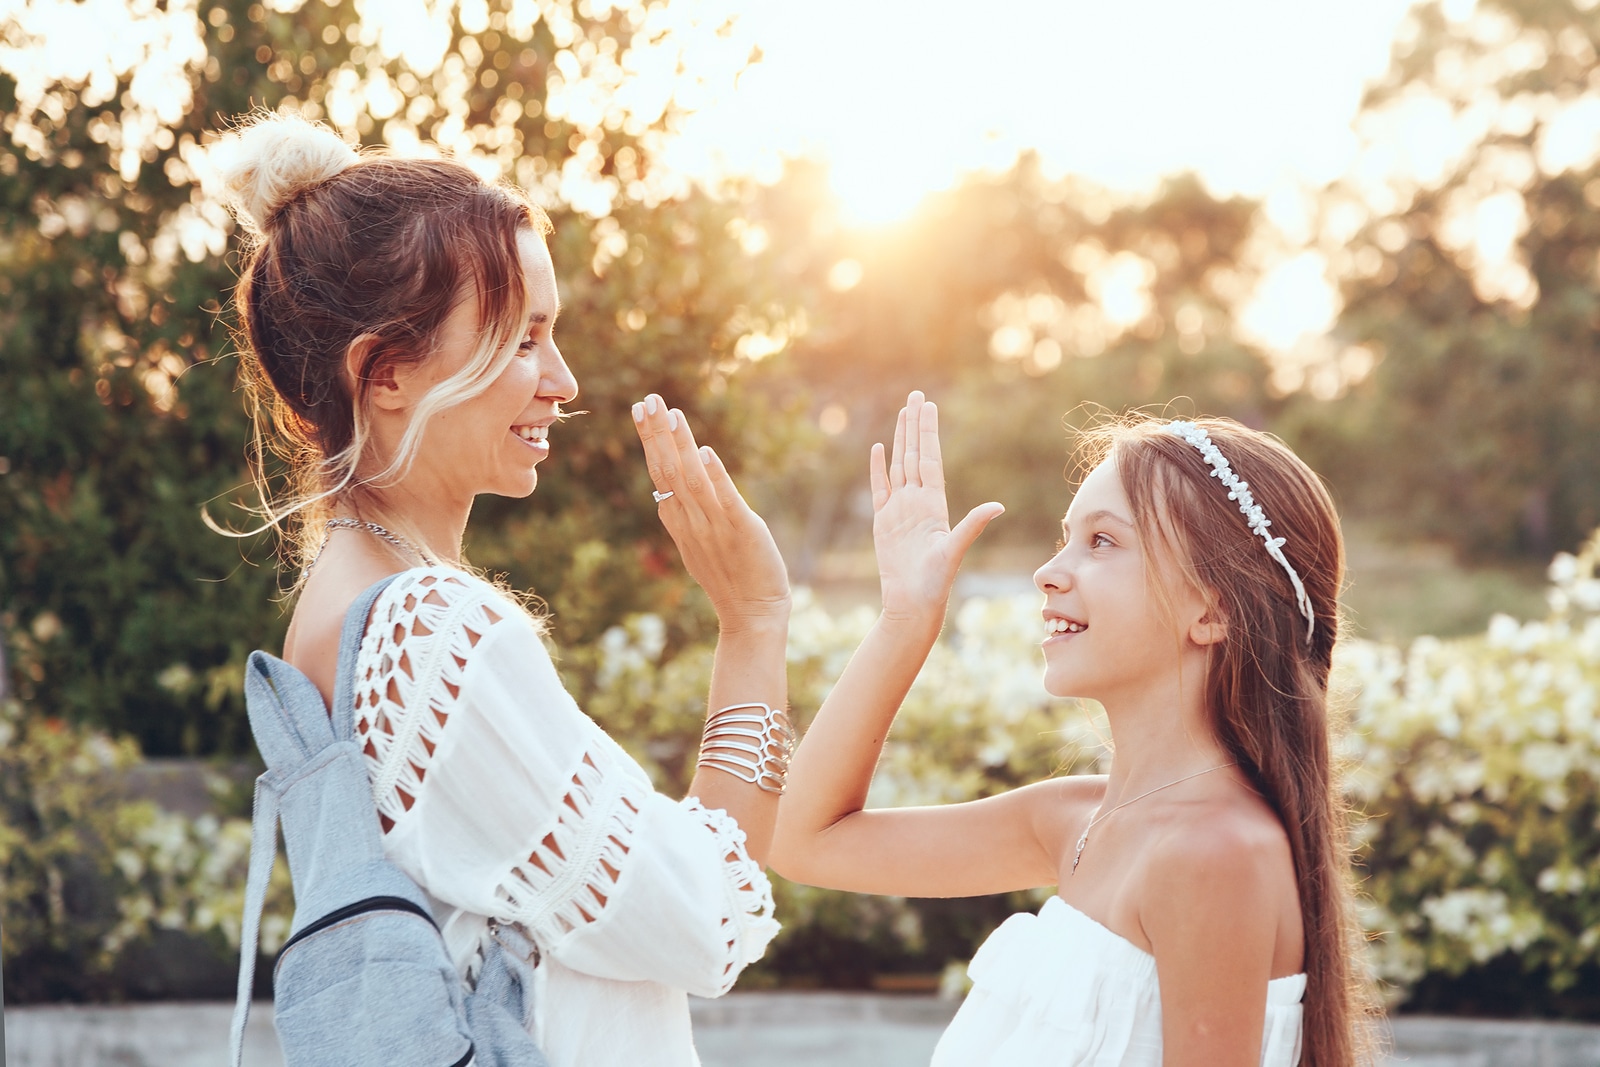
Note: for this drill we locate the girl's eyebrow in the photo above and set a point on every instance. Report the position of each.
(1103, 515)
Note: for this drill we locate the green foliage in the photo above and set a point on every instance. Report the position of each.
(994, 299)
(88, 878)
(1486, 380)
(119, 417)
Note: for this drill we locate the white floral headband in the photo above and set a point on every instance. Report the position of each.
(1240, 490)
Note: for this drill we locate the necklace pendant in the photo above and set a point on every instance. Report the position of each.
(1078, 855)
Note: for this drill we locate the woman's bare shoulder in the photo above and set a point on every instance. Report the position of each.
(312, 643)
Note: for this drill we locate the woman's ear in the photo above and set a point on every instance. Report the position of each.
(385, 388)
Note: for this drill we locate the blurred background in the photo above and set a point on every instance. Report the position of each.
(1370, 227)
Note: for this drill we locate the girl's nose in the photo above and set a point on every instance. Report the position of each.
(1054, 576)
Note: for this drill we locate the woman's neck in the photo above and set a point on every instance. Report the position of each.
(437, 525)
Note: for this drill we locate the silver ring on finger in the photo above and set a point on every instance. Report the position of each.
(659, 496)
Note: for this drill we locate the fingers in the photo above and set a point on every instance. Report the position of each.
(931, 473)
(673, 458)
(897, 459)
(968, 529)
(879, 478)
(913, 453)
(726, 493)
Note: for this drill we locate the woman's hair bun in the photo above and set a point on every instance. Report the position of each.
(270, 157)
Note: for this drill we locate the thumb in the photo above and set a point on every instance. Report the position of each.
(968, 529)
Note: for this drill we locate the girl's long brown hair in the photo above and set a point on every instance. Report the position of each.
(1266, 686)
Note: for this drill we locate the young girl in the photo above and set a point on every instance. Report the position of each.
(1201, 913)
(399, 320)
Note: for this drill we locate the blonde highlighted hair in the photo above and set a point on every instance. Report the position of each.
(356, 255)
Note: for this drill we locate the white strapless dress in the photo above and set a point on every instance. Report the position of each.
(1057, 989)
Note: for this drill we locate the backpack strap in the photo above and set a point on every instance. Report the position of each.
(267, 681)
(344, 680)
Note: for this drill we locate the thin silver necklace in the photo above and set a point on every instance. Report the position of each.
(1098, 818)
(361, 524)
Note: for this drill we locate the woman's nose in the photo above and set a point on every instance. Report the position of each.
(556, 379)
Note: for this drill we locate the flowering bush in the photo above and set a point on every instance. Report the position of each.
(85, 873)
(977, 722)
(1477, 764)
(1474, 770)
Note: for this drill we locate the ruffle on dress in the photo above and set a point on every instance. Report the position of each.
(1060, 989)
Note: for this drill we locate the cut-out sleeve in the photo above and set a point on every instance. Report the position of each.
(500, 797)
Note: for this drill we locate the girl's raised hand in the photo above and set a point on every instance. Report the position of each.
(726, 546)
(918, 552)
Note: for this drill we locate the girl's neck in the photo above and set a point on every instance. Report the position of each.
(1158, 737)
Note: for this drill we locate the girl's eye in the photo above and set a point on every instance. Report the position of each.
(1101, 540)
(528, 344)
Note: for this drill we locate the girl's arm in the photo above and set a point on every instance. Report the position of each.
(823, 835)
(1212, 904)
(727, 548)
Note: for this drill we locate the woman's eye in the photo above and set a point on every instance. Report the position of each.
(1100, 540)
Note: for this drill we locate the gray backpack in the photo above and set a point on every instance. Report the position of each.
(364, 979)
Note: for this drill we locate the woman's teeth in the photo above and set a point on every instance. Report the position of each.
(1066, 626)
(532, 434)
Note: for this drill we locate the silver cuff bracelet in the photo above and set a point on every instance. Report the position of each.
(752, 742)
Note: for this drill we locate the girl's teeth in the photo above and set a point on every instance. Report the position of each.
(1063, 626)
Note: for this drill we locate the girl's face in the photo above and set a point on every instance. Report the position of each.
(1108, 634)
(494, 442)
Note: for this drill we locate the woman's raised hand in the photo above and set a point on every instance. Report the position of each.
(918, 552)
(726, 546)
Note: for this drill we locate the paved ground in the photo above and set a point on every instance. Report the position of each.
(743, 1030)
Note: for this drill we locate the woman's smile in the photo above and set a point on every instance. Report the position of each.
(536, 436)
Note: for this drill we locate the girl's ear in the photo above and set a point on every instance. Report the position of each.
(1209, 629)
(386, 383)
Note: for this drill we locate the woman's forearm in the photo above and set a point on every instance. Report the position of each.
(833, 768)
(749, 667)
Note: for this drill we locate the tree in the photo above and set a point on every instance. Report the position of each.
(1487, 381)
(119, 418)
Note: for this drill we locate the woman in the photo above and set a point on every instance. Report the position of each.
(1201, 913)
(398, 323)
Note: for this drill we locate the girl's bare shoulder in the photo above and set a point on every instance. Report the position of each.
(1215, 860)
(1064, 805)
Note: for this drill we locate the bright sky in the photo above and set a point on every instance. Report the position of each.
(902, 96)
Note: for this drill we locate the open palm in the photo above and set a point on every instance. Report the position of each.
(918, 552)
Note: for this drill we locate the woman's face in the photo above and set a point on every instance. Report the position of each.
(1107, 633)
(494, 442)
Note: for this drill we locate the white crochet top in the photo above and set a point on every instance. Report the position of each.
(1057, 989)
(502, 799)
